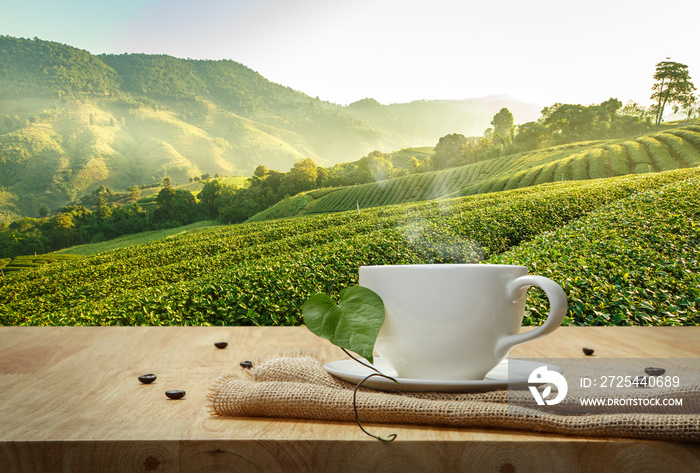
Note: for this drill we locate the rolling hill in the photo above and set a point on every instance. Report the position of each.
(671, 149)
(71, 121)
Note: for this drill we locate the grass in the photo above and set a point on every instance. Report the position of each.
(136, 239)
(238, 181)
(288, 207)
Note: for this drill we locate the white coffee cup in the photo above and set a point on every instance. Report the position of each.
(455, 321)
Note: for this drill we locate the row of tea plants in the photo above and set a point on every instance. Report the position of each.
(633, 262)
(260, 273)
(663, 151)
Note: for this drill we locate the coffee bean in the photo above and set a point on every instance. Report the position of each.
(588, 351)
(654, 371)
(247, 364)
(147, 378)
(640, 382)
(221, 344)
(176, 394)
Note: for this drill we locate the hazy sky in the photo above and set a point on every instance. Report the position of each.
(541, 51)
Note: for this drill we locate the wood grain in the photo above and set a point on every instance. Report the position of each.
(70, 400)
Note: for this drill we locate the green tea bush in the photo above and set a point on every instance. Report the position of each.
(618, 160)
(684, 151)
(660, 156)
(596, 164)
(20, 263)
(638, 155)
(632, 262)
(547, 174)
(531, 176)
(260, 273)
(580, 167)
(691, 135)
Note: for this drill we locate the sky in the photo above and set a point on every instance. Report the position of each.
(395, 51)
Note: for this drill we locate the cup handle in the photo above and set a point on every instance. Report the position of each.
(557, 310)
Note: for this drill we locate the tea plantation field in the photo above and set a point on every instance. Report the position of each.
(634, 261)
(20, 263)
(625, 249)
(671, 149)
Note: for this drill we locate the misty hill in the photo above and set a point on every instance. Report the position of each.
(425, 119)
(71, 121)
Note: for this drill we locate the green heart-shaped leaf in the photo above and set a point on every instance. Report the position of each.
(353, 324)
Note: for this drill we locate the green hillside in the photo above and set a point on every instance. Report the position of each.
(130, 240)
(401, 159)
(260, 273)
(71, 121)
(39, 68)
(671, 149)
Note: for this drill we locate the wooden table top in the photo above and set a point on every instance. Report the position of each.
(70, 400)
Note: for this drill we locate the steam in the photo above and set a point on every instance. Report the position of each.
(435, 233)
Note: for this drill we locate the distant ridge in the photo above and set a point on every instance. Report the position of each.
(71, 121)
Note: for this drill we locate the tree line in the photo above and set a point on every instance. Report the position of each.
(567, 123)
(104, 214)
(36, 68)
(559, 124)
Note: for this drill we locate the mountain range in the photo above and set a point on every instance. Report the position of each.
(71, 121)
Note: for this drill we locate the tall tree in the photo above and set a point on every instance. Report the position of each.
(672, 87)
(175, 206)
(690, 106)
(261, 171)
(503, 126)
(447, 151)
(531, 135)
(209, 198)
(134, 193)
(376, 166)
(302, 177)
(476, 149)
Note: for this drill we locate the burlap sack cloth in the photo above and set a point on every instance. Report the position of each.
(297, 386)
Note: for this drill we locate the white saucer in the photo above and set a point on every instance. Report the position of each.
(351, 371)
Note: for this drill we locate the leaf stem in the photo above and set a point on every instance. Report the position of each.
(330, 289)
(365, 364)
(391, 437)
